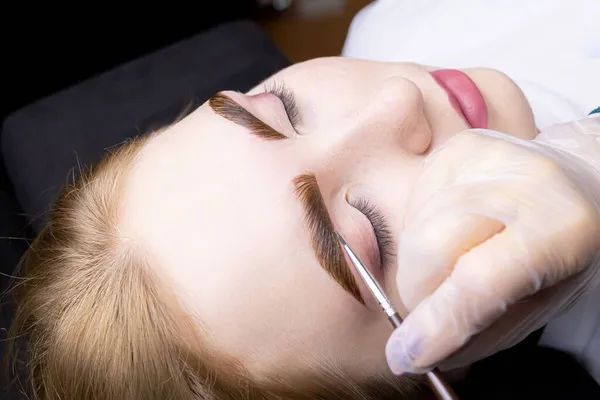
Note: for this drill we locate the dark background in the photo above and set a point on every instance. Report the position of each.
(47, 49)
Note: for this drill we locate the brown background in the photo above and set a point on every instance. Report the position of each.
(301, 37)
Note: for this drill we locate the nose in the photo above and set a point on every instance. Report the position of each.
(391, 119)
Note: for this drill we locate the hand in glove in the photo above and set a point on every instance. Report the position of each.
(503, 235)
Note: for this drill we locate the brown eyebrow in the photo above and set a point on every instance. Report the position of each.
(229, 109)
(323, 238)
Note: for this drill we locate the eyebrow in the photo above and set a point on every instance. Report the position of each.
(323, 238)
(227, 108)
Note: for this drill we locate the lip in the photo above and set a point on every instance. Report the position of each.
(464, 96)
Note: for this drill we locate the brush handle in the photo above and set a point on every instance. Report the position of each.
(395, 320)
(438, 385)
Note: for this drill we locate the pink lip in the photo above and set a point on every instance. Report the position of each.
(464, 96)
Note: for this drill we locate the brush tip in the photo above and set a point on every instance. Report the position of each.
(341, 239)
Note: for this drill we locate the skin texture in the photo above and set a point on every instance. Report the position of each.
(216, 209)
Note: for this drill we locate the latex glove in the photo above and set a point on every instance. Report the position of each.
(502, 234)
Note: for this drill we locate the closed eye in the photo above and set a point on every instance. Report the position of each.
(287, 97)
(383, 234)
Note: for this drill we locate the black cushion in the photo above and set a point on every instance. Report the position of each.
(43, 54)
(14, 231)
(44, 141)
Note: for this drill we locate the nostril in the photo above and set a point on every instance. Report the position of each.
(402, 104)
(417, 141)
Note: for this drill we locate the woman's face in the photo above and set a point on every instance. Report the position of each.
(237, 206)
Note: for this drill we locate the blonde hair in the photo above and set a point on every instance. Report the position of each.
(99, 324)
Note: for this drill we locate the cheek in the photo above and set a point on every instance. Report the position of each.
(391, 187)
(508, 109)
(392, 190)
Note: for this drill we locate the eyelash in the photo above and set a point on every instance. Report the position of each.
(287, 97)
(383, 233)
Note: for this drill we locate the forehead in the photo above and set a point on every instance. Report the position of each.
(216, 210)
(205, 186)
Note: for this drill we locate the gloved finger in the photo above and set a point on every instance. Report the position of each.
(457, 206)
(428, 251)
(434, 238)
(483, 283)
(512, 181)
(520, 319)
